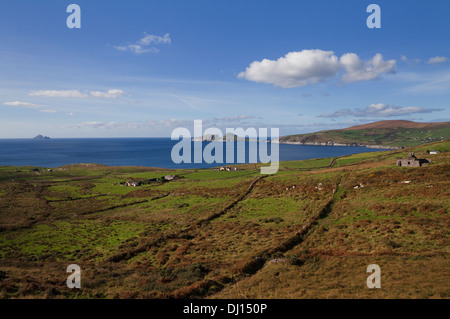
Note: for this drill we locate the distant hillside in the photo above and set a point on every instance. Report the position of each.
(391, 134)
(397, 124)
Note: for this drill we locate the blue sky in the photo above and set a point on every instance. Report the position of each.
(143, 68)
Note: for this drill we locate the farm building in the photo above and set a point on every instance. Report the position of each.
(134, 183)
(227, 168)
(412, 161)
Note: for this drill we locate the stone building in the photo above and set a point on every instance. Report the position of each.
(412, 161)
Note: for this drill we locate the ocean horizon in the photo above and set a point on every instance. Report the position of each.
(149, 152)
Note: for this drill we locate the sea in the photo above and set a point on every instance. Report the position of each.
(149, 152)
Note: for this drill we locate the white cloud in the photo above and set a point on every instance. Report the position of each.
(404, 58)
(114, 93)
(298, 69)
(137, 49)
(108, 94)
(58, 93)
(146, 44)
(91, 124)
(22, 104)
(158, 124)
(154, 39)
(381, 110)
(437, 59)
(294, 69)
(30, 106)
(358, 70)
(170, 123)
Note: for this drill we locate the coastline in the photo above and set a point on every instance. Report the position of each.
(339, 144)
(133, 152)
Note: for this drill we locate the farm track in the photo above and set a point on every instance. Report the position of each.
(74, 199)
(332, 163)
(259, 260)
(125, 205)
(114, 207)
(184, 233)
(50, 209)
(239, 199)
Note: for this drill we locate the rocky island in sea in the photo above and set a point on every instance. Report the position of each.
(218, 138)
(41, 137)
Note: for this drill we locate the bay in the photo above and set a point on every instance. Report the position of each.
(150, 152)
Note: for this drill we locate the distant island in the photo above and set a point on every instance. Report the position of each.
(217, 138)
(41, 137)
(383, 134)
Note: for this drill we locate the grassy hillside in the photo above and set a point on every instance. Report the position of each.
(310, 230)
(386, 133)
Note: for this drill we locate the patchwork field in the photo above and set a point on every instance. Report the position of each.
(309, 231)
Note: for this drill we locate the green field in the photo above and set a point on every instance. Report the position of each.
(308, 231)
